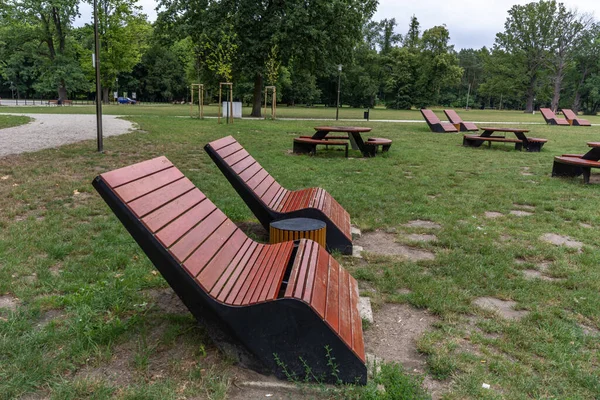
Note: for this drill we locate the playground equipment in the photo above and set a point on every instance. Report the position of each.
(229, 102)
(273, 100)
(200, 87)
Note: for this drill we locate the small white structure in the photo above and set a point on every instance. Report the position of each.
(237, 109)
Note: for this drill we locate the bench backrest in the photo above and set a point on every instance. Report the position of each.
(251, 174)
(569, 114)
(189, 226)
(547, 113)
(430, 116)
(453, 117)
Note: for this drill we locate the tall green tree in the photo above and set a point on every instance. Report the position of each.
(317, 34)
(529, 34)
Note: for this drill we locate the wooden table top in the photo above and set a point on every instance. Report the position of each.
(505, 129)
(343, 128)
(593, 144)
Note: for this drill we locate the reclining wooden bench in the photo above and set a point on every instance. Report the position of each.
(289, 300)
(269, 201)
(573, 119)
(435, 124)
(551, 118)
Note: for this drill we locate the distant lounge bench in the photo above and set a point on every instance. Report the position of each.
(304, 145)
(290, 300)
(551, 118)
(573, 119)
(435, 124)
(458, 123)
(269, 201)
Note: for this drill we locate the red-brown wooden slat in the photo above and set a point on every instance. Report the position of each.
(270, 194)
(333, 305)
(310, 278)
(345, 330)
(217, 266)
(306, 199)
(234, 290)
(179, 227)
(319, 290)
(262, 276)
(264, 186)
(300, 200)
(358, 344)
(276, 272)
(135, 189)
(220, 143)
(250, 281)
(249, 172)
(236, 157)
(124, 175)
(283, 196)
(199, 258)
(278, 195)
(322, 200)
(284, 205)
(307, 263)
(242, 165)
(257, 179)
(278, 278)
(229, 277)
(289, 291)
(160, 197)
(167, 213)
(230, 149)
(315, 198)
(193, 238)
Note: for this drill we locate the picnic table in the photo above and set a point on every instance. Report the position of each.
(368, 148)
(531, 144)
(577, 164)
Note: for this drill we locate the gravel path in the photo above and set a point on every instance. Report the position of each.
(53, 130)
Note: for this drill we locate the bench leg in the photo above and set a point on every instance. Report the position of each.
(534, 147)
(560, 169)
(471, 142)
(370, 150)
(586, 174)
(519, 146)
(305, 148)
(346, 147)
(385, 148)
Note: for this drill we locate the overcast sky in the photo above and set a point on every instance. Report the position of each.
(472, 23)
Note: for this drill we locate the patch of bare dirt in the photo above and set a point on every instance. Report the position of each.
(50, 316)
(520, 213)
(492, 214)
(55, 270)
(250, 385)
(394, 335)
(559, 240)
(584, 225)
(436, 388)
(417, 223)
(403, 291)
(9, 302)
(589, 330)
(504, 308)
(535, 274)
(385, 244)
(524, 206)
(419, 237)
(167, 301)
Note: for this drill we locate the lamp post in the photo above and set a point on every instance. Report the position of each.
(98, 87)
(337, 106)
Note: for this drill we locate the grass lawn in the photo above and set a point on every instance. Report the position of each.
(7, 121)
(316, 112)
(85, 295)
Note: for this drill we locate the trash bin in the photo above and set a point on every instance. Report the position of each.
(366, 114)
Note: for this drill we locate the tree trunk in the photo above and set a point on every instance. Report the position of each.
(256, 104)
(577, 99)
(62, 93)
(557, 87)
(105, 98)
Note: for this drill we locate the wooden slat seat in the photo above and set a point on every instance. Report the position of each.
(309, 145)
(435, 124)
(269, 201)
(291, 299)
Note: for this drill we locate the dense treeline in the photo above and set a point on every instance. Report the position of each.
(547, 55)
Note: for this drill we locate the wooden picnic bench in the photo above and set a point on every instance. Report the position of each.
(269, 201)
(530, 144)
(286, 302)
(304, 145)
(572, 165)
(368, 149)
